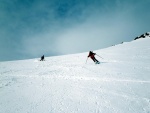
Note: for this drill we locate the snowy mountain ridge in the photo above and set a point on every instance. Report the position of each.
(145, 35)
(67, 84)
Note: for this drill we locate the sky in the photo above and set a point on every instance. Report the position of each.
(32, 28)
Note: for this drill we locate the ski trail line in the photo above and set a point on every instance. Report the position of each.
(85, 78)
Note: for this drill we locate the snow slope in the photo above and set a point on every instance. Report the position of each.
(65, 84)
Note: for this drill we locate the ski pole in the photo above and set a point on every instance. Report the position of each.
(86, 60)
(100, 56)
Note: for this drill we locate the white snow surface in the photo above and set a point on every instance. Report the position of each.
(66, 84)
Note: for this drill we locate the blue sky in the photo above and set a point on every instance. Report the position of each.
(31, 28)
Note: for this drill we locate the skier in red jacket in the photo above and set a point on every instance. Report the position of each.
(92, 56)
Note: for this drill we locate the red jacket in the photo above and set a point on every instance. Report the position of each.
(91, 54)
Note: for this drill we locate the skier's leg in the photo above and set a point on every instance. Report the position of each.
(93, 59)
(96, 60)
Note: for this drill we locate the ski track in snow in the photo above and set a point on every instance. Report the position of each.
(65, 84)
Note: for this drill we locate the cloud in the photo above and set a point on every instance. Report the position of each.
(102, 29)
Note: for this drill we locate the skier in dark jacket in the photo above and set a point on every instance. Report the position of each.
(92, 56)
(42, 58)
